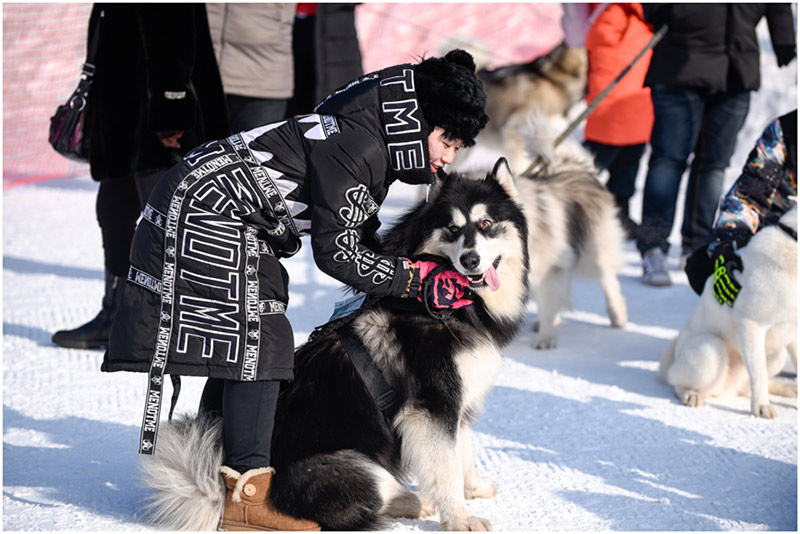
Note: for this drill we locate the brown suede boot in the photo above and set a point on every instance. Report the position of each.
(248, 505)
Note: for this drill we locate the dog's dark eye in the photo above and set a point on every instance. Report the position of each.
(485, 224)
(453, 229)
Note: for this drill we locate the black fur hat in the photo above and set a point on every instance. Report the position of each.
(451, 95)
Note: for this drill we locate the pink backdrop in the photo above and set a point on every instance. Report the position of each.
(44, 46)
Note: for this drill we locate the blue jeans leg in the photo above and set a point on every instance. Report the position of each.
(724, 116)
(678, 116)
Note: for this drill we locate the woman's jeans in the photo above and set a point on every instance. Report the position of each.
(688, 121)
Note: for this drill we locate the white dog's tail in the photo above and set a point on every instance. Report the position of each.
(539, 132)
(480, 51)
(667, 359)
(188, 492)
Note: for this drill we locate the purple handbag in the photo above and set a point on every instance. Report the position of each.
(68, 134)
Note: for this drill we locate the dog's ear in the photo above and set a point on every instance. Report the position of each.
(435, 188)
(501, 173)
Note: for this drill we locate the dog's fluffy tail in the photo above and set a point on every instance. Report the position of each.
(667, 359)
(188, 492)
(480, 51)
(539, 132)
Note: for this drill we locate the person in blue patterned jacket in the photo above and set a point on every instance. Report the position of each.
(758, 198)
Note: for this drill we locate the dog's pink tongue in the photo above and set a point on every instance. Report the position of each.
(492, 280)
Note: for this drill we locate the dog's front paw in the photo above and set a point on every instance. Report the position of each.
(480, 488)
(411, 505)
(470, 523)
(693, 399)
(766, 411)
(545, 342)
(619, 318)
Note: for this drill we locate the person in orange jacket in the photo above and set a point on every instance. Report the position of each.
(618, 130)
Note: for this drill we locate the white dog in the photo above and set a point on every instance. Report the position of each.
(720, 345)
(573, 229)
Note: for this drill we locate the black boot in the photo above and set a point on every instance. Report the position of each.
(630, 227)
(94, 334)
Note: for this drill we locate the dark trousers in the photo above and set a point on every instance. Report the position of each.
(688, 122)
(119, 203)
(246, 113)
(305, 67)
(248, 418)
(622, 163)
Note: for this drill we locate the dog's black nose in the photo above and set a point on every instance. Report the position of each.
(470, 259)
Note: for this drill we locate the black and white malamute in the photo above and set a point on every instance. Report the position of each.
(339, 459)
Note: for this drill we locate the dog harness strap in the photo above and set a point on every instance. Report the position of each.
(382, 393)
(791, 231)
(176, 390)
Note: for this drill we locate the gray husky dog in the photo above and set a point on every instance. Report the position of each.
(573, 229)
(340, 459)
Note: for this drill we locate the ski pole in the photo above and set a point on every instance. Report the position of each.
(535, 166)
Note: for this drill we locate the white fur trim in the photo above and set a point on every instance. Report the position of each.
(225, 470)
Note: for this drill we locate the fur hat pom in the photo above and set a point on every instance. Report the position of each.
(460, 57)
(451, 95)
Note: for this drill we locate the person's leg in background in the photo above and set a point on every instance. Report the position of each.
(305, 67)
(246, 113)
(678, 115)
(724, 117)
(117, 209)
(118, 206)
(622, 183)
(622, 163)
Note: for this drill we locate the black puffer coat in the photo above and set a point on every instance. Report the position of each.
(206, 294)
(145, 50)
(714, 46)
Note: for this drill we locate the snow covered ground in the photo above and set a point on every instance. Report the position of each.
(582, 437)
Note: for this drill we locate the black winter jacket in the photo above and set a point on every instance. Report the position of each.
(145, 50)
(714, 46)
(337, 55)
(206, 294)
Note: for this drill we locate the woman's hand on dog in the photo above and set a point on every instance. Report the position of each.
(726, 287)
(441, 287)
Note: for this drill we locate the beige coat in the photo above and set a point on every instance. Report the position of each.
(253, 44)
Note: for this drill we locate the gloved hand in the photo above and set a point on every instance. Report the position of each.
(785, 54)
(441, 287)
(698, 268)
(726, 287)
